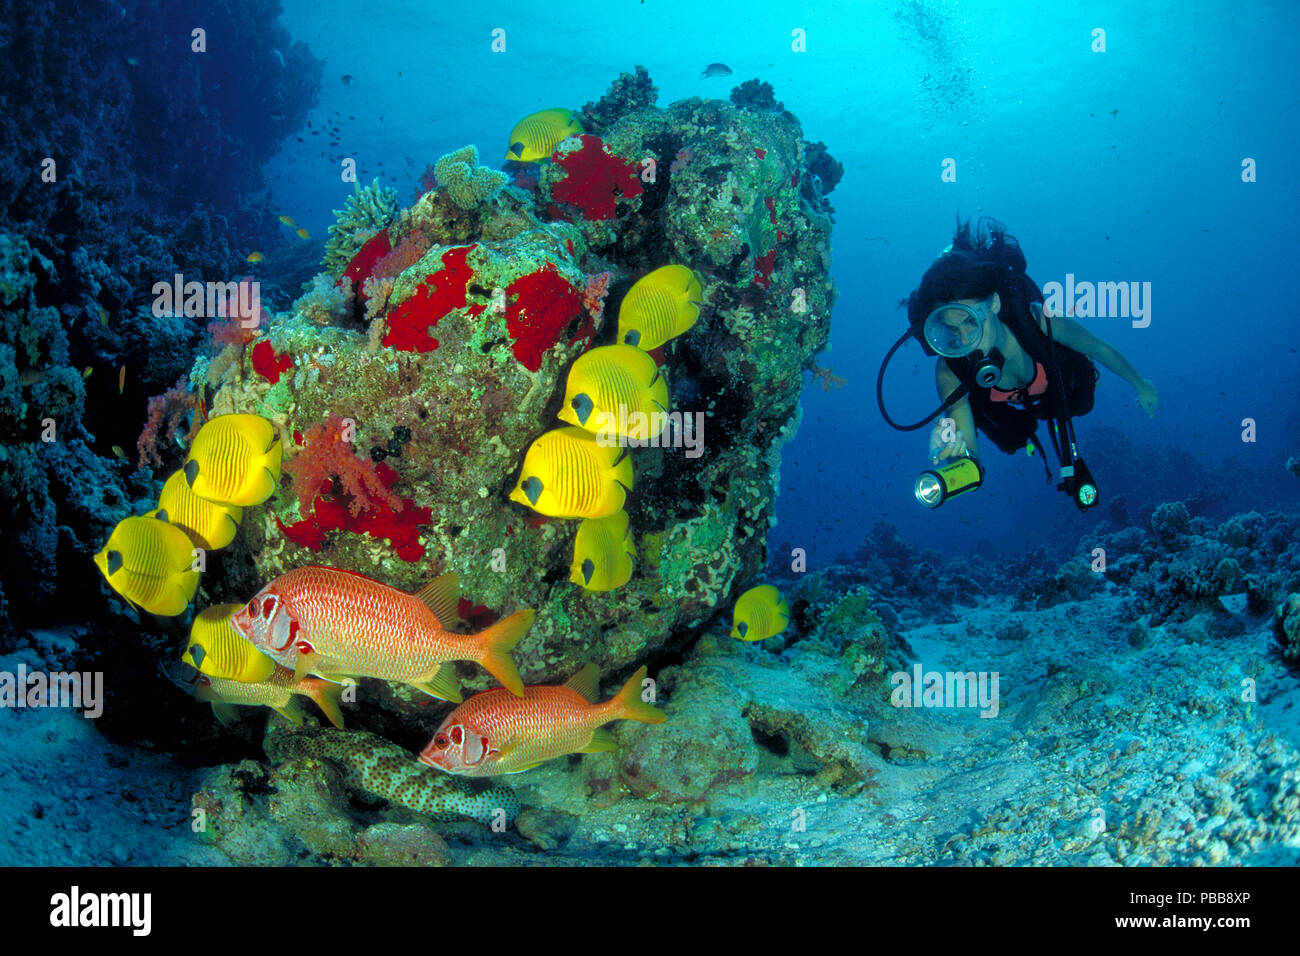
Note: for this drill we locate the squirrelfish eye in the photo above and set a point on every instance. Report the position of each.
(440, 742)
(252, 608)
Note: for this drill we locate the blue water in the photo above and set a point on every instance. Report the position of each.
(1115, 166)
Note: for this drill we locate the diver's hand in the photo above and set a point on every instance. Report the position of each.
(940, 445)
(1148, 397)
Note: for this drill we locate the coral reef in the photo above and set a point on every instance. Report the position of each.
(332, 797)
(1286, 626)
(367, 212)
(147, 174)
(374, 769)
(467, 183)
(628, 93)
(474, 315)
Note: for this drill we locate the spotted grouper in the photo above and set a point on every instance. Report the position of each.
(375, 769)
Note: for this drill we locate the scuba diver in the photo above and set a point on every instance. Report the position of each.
(1004, 365)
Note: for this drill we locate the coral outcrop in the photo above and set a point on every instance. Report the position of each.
(466, 358)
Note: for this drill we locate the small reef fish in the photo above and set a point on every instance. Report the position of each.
(118, 452)
(716, 69)
(567, 473)
(235, 460)
(494, 733)
(303, 234)
(103, 317)
(254, 257)
(339, 624)
(611, 376)
(602, 553)
(87, 372)
(150, 563)
(277, 692)
(30, 376)
(289, 222)
(536, 135)
(121, 380)
(659, 306)
(210, 524)
(216, 649)
(760, 613)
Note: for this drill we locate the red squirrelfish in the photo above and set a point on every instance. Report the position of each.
(339, 624)
(494, 733)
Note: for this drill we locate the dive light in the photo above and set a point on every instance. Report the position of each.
(937, 485)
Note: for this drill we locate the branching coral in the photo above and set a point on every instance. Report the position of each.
(593, 297)
(325, 303)
(367, 212)
(467, 183)
(327, 454)
(166, 414)
(408, 252)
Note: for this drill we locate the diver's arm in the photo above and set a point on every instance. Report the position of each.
(959, 411)
(1073, 335)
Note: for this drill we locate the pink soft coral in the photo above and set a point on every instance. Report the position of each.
(166, 414)
(327, 454)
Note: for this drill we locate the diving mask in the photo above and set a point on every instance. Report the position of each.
(955, 329)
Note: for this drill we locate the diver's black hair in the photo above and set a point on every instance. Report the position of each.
(980, 262)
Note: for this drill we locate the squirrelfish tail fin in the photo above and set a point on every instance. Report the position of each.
(628, 705)
(498, 641)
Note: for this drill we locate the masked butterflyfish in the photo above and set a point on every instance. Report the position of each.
(659, 307)
(567, 473)
(761, 612)
(536, 135)
(235, 459)
(616, 390)
(150, 563)
(209, 524)
(602, 553)
(216, 649)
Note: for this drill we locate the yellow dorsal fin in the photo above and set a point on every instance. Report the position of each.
(303, 665)
(440, 682)
(441, 596)
(586, 682)
(601, 740)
